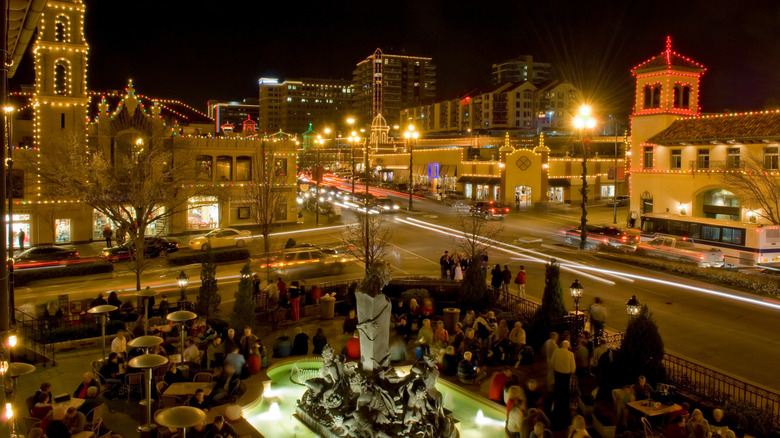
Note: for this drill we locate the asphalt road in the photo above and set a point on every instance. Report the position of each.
(730, 330)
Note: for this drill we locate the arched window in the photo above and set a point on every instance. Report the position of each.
(203, 166)
(224, 168)
(61, 29)
(676, 98)
(656, 96)
(648, 92)
(61, 78)
(686, 96)
(243, 168)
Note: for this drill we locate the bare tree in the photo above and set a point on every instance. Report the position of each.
(367, 239)
(477, 236)
(267, 194)
(756, 187)
(134, 187)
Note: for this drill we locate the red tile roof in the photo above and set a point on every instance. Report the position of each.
(745, 127)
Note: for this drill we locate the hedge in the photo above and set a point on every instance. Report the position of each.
(220, 255)
(24, 276)
(757, 284)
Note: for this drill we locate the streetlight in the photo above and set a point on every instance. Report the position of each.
(584, 122)
(318, 175)
(353, 138)
(409, 135)
(576, 291)
(184, 281)
(633, 306)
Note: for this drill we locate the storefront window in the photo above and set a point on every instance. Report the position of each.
(62, 230)
(224, 168)
(20, 222)
(99, 221)
(281, 210)
(555, 194)
(204, 166)
(243, 168)
(607, 191)
(523, 196)
(202, 212)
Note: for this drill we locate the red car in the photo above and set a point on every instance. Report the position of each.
(490, 210)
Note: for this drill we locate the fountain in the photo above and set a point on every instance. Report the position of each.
(371, 398)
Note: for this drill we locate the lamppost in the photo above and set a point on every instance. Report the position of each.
(184, 281)
(410, 135)
(633, 306)
(353, 138)
(318, 175)
(576, 291)
(584, 122)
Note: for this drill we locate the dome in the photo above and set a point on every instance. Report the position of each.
(379, 122)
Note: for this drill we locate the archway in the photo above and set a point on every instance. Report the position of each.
(717, 203)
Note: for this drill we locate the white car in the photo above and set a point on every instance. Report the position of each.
(221, 238)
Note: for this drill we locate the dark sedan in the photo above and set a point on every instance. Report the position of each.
(44, 256)
(153, 248)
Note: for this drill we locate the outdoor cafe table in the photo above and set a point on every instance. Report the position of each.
(649, 409)
(188, 388)
(58, 413)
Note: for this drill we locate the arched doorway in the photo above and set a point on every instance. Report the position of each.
(718, 204)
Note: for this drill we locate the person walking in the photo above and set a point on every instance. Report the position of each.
(107, 234)
(598, 317)
(444, 263)
(295, 300)
(21, 235)
(507, 278)
(520, 282)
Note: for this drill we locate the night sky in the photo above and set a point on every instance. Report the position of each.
(197, 50)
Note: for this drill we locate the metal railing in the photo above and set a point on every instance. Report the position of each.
(509, 302)
(32, 339)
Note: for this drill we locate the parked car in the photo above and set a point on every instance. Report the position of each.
(490, 210)
(597, 235)
(45, 255)
(620, 201)
(153, 247)
(451, 197)
(308, 261)
(221, 238)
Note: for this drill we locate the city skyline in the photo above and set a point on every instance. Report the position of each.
(206, 53)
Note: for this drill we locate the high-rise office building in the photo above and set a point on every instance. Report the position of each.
(294, 103)
(521, 69)
(386, 84)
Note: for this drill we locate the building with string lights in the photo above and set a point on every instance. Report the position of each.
(61, 108)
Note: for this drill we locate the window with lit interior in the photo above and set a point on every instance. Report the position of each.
(771, 158)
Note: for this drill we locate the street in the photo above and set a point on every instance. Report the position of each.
(705, 322)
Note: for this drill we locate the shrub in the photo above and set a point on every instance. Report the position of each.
(552, 308)
(25, 276)
(755, 420)
(642, 349)
(209, 298)
(417, 294)
(473, 292)
(243, 309)
(220, 255)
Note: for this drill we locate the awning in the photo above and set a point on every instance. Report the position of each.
(558, 182)
(483, 180)
(420, 169)
(448, 171)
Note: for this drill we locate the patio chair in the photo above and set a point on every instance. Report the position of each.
(134, 381)
(648, 429)
(94, 416)
(202, 377)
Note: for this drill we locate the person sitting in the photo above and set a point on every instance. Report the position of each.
(255, 362)
(414, 315)
(532, 417)
(42, 407)
(300, 343)
(215, 353)
(45, 388)
(351, 323)
(719, 427)
(533, 396)
(482, 329)
(540, 431)
(468, 371)
(99, 301)
(470, 343)
(426, 332)
(319, 341)
(93, 400)
(676, 428)
(457, 337)
(174, 375)
(199, 400)
(469, 319)
(192, 354)
(441, 338)
(220, 428)
(138, 327)
(89, 380)
(74, 421)
(227, 383)
(353, 347)
(112, 372)
(283, 345)
(449, 363)
(697, 419)
(427, 308)
(497, 383)
(113, 300)
(578, 428)
(642, 389)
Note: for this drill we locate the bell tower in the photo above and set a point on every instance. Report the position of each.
(60, 58)
(667, 88)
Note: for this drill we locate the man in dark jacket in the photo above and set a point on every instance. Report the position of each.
(93, 400)
(468, 371)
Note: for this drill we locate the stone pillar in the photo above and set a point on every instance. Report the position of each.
(373, 314)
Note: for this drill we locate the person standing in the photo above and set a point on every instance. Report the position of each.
(496, 277)
(520, 282)
(444, 263)
(295, 300)
(21, 235)
(632, 220)
(507, 278)
(563, 366)
(107, 234)
(598, 317)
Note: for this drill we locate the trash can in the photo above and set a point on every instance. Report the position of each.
(327, 308)
(451, 318)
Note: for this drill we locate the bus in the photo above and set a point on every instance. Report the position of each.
(742, 243)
